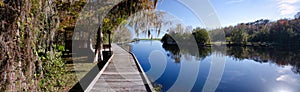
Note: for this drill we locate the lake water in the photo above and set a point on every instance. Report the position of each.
(238, 69)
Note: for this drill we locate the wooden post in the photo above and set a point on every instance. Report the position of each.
(109, 42)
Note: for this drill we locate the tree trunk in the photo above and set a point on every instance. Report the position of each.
(99, 46)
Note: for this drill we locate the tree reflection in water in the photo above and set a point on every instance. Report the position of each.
(281, 56)
(176, 54)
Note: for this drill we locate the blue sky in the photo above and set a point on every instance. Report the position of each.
(232, 12)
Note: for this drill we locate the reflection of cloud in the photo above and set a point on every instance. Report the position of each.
(284, 70)
(211, 14)
(286, 78)
(263, 80)
(282, 89)
(287, 7)
(288, 1)
(234, 1)
(158, 62)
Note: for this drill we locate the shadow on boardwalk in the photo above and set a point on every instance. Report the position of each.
(121, 73)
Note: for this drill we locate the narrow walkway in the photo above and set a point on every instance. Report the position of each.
(121, 74)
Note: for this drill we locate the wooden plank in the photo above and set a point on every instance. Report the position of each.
(121, 74)
(90, 86)
(147, 82)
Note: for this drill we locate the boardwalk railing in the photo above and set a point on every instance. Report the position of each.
(122, 72)
(85, 84)
(146, 81)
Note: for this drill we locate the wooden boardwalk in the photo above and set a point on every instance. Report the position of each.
(121, 73)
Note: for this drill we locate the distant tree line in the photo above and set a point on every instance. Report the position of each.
(260, 32)
(280, 32)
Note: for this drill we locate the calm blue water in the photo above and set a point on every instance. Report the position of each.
(238, 70)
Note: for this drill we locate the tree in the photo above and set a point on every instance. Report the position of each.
(238, 36)
(217, 35)
(201, 35)
(27, 40)
(122, 34)
(118, 13)
(297, 15)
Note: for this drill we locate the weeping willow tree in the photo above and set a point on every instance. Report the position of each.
(140, 23)
(120, 13)
(123, 34)
(145, 21)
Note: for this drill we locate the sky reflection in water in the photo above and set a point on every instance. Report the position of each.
(246, 69)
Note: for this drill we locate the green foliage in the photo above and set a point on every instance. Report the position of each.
(54, 69)
(30, 28)
(238, 36)
(201, 35)
(263, 31)
(61, 48)
(217, 35)
(69, 12)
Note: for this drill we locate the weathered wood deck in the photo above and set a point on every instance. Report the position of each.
(122, 73)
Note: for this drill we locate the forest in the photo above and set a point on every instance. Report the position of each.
(280, 32)
(33, 35)
(259, 33)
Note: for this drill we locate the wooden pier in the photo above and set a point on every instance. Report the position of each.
(121, 73)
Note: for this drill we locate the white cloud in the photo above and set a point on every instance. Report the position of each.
(234, 1)
(287, 7)
(286, 78)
